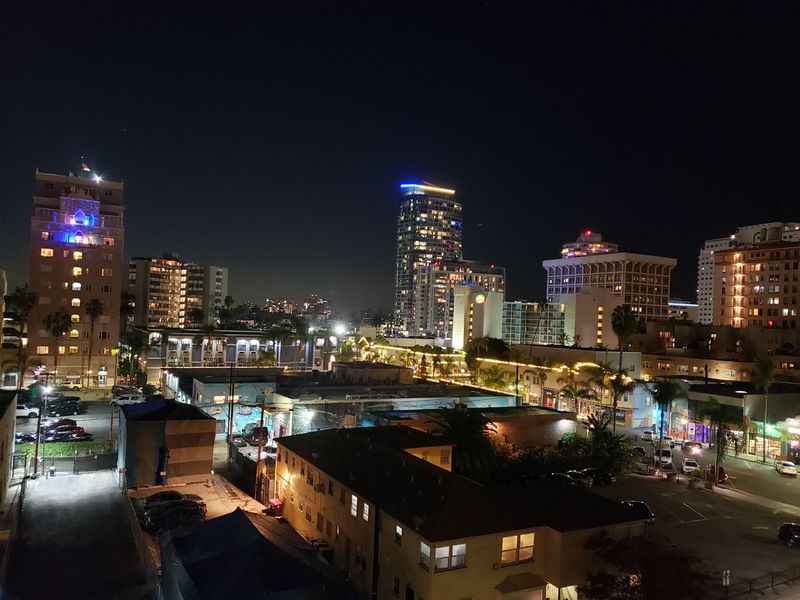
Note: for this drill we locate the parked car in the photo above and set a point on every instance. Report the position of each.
(25, 438)
(64, 429)
(67, 387)
(173, 515)
(665, 456)
(689, 466)
(257, 436)
(789, 534)
(639, 509)
(59, 436)
(581, 477)
(693, 448)
(169, 496)
(238, 441)
(123, 390)
(49, 424)
(127, 399)
(639, 451)
(25, 411)
(668, 440)
(81, 437)
(786, 467)
(599, 476)
(563, 479)
(647, 436)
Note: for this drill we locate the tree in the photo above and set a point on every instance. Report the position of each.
(485, 347)
(664, 393)
(624, 323)
(94, 308)
(208, 332)
(621, 384)
(494, 377)
(266, 358)
(719, 416)
(469, 430)
(196, 315)
(575, 393)
(57, 324)
(763, 376)
(21, 301)
(644, 568)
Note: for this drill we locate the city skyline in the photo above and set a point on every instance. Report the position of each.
(297, 157)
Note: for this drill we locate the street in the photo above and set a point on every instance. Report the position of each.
(95, 420)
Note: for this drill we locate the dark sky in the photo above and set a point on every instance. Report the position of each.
(275, 144)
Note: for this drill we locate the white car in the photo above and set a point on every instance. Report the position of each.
(666, 457)
(27, 412)
(689, 465)
(646, 436)
(127, 399)
(786, 467)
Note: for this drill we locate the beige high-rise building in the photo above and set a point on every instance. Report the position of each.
(641, 280)
(77, 249)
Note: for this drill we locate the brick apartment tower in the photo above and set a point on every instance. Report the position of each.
(77, 255)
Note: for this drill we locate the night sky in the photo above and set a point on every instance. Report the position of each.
(275, 144)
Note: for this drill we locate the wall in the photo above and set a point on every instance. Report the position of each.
(7, 427)
(138, 450)
(191, 448)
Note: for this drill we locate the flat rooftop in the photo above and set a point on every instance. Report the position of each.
(162, 409)
(499, 411)
(737, 389)
(438, 504)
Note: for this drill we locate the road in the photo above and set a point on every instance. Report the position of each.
(723, 533)
(752, 477)
(95, 420)
(76, 542)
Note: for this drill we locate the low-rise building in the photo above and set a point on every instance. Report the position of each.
(363, 372)
(401, 526)
(163, 441)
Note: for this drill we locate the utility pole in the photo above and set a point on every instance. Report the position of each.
(764, 437)
(260, 448)
(38, 436)
(230, 408)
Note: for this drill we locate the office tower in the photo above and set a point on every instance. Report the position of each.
(476, 313)
(77, 249)
(757, 285)
(166, 290)
(539, 323)
(443, 277)
(429, 229)
(750, 235)
(641, 280)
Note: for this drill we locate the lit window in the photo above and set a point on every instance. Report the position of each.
(445, 559)
(398, 534)
(219, 399)
(46, 252)
(365, 512)
(45, 235)
(353, 505)
(73, 349)
(108, 241)
(77, 255)
(517, 548)
(76, 302)
(76, 271)
(105, 272)
(75, 318)
(425, 554)
(76, 286)
(74, 333)
(42, 349)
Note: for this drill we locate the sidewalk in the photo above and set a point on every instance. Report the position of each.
(76, 541)
(759, 500)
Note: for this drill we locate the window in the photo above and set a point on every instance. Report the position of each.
(517, 548)
(451, 557)
(75, 318)
(77, 255)
(398, 534)
(76, 286)
(48, 252)
(353, 505)
(74, 333)
(108, 241)
(62, 349)
(445, 456)
(425, 555)
(42, 349)
(45, 235)
(73, 349)
(365, 511)
(76, 302)
(77, 271)
(105, 272)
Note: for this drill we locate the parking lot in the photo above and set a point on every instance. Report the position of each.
(724, 533)
(95, 419)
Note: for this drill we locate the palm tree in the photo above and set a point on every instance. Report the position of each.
(763, 376)
(57, 324)
(494, 377)
(94, 308)
(575, 393)
(665, 392)
(469, 431)
(621, 384)
(21, 301)
(540, 374)
(624, 323)
(196, 315)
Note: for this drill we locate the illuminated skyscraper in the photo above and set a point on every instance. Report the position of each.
(429, 229)
(77, 248)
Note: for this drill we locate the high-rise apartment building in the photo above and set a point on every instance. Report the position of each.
(757, 286)
(77, 249)
(444, 277)
(429, 229)
(166, 290)
(641, 280)
(750, 235)
(539, 323)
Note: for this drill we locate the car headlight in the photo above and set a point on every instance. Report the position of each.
(696, 451)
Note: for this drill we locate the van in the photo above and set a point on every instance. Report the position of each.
(665, 456)
(647, 436)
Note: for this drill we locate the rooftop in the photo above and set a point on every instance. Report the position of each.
(162, 409)
(440, 505)
(738, 389)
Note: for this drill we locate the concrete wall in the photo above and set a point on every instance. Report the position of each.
(7, 427)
